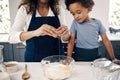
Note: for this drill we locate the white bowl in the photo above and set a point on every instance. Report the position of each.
(4, 76)
(11, 66)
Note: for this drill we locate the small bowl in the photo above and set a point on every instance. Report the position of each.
(11, 66)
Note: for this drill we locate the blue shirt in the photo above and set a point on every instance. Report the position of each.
(87, 33)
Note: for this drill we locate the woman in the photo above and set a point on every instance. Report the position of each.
(38, 24)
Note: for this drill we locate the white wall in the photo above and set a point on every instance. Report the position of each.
(13, 4)
(100, 11)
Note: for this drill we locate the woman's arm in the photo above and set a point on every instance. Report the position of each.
(19, 25)
(108, 46)
(71, 45)
(19, 33)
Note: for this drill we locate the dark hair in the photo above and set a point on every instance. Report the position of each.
(85, 3)
(32, 5)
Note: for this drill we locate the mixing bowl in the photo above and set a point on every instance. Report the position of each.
(57, 67)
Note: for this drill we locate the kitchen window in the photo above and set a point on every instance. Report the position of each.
(4, 17)
(5, 23)
(114, 14)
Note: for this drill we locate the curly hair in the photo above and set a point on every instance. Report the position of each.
(85, 3)
(32, 5)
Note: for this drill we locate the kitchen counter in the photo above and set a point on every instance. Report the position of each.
(112, 37)
(82, 71)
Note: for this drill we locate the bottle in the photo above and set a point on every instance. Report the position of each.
(3, 72)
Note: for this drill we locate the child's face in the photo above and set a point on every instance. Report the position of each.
(79, 12)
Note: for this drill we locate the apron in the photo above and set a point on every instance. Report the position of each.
(39, 47)
(86, 54)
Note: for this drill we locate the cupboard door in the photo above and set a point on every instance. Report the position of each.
(102, 50)
(116, 48)
(7, 51)
(19, 50)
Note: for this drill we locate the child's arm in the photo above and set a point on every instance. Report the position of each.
(71, 45)
(109, 48)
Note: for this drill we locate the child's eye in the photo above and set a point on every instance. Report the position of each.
(72, 13)
(79, 12)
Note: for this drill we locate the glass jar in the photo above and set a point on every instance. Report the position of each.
(1, 54)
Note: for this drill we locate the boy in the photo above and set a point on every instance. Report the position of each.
(85, 31)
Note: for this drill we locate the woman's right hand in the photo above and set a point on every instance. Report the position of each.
(46, 29)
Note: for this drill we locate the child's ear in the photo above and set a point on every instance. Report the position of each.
(90, 9)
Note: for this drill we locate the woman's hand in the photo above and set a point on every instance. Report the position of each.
(46, 29)
(63, 32)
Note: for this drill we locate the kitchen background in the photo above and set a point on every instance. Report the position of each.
(108, 11)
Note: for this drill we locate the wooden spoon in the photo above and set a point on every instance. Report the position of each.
(25, 75)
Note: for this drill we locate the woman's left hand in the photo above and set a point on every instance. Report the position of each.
(63, 32)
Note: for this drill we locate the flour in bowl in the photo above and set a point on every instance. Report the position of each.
(57, 71)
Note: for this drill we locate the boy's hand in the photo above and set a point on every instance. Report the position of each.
(116, 61)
